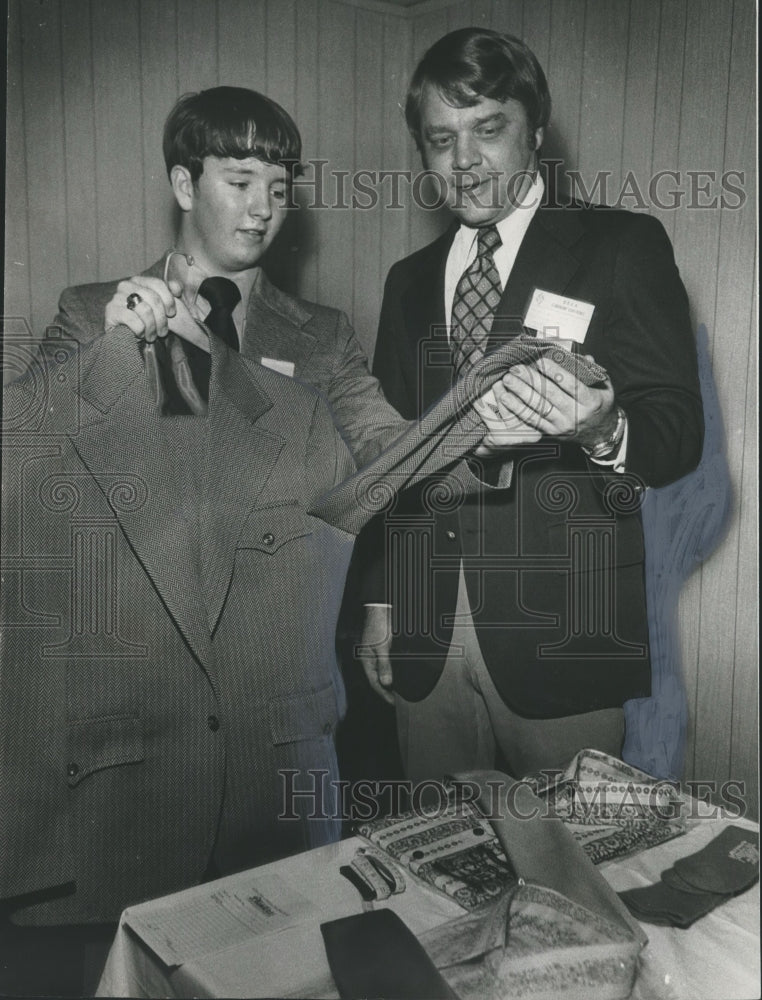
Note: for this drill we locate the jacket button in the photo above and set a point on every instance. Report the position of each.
(268, 539)
(213, 722)
(450, 535)
(327, 728)
(72, 770)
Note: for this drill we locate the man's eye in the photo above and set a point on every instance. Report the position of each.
(440, 141)
(239, 184)
(279, 194)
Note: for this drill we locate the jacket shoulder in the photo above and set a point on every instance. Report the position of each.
(609, 221)
(318, 311)
(318, 320)
(408, 267)
(81, 296)
(81, 307)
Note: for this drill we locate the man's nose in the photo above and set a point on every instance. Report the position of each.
(466, 153)
(259, 203)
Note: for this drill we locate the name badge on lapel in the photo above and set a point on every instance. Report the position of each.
(284, 367)
(556, 317)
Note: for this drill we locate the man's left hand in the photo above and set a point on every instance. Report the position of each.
(556, 404)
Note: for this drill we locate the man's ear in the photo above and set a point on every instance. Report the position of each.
(539, 135)
(182, 186)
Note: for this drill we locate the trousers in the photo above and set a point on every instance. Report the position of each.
(464, 724)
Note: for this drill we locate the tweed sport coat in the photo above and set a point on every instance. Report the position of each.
(160, 665)
(316, 339)
(554, 564)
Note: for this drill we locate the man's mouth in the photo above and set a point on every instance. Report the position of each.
(472, 192)
(469, 184)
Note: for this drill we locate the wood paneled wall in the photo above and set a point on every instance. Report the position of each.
(638, 86)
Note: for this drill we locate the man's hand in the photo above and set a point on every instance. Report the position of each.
(374, 649)
(553, 401)
(502, 417)
(158, 308)
(155, 302)
(542, 399)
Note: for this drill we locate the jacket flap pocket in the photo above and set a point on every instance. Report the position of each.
(270, 527)
(94, 744)
(303, 716)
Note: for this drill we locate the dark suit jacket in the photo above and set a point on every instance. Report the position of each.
(161, 661)
(317, 340)
(554, 565)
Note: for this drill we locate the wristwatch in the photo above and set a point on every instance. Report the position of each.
(604, 448)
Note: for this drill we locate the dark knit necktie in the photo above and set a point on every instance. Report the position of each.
(473, 307)
(223, 295)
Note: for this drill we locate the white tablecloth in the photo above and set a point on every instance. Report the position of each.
(718, 957)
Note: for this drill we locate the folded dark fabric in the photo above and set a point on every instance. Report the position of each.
(728, 864)
(446, 432)
(698, 883)
(663, 904)
(375, 954)
(671, 878)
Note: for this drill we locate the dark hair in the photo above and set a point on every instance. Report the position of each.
(230, 121)
(473, 63)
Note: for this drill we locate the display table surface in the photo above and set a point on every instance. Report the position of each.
(718, 957)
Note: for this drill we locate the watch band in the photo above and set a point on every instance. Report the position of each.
(611, 443)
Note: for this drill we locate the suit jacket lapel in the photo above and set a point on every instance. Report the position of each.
(240, 458)
(275, 325)
(121, 442)
(545, 259)
(424, 312)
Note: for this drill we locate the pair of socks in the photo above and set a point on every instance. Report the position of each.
(728, 865)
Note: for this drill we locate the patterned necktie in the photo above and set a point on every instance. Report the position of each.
(223, 295)
(473, 307)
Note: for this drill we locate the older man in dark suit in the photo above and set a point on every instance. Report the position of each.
(524, 628)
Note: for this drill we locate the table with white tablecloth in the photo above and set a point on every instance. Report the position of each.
(717, 957)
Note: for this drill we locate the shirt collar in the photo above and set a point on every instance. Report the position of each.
(513, 226)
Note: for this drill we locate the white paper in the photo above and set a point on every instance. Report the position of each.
(225, 914)
(556, 317)
(284, 367)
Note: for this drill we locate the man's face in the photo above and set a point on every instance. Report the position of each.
(484, 153)
(232, 213)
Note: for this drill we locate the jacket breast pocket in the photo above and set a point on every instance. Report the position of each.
(95, 744)
(269, 528)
